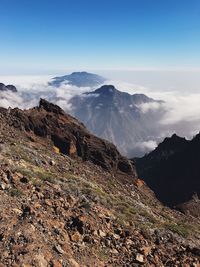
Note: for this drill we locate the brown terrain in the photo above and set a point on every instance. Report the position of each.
(70, 199)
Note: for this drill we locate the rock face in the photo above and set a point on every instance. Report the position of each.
(117, 117)
(70, 136)
(79, 79)
(172, 172)
(9, 87)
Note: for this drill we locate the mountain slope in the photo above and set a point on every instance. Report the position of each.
(70, 136)
(172, 171)
(58, 210)
(117, 117)
(79, 79)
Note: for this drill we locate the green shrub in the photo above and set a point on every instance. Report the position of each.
(15, 192)
(181, 229)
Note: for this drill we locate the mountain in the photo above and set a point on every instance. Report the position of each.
(9, 87)
(68, 198)
(117, 117)
(79, 79)
(172, 172)
(70, 136)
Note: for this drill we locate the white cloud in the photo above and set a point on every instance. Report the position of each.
(10, 99)
(181, 110)
(32, 88)
(146, 146)
(151, 106)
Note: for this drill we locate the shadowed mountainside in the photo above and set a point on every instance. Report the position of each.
(172, 172)
(117, 117)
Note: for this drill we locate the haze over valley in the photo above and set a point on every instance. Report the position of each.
(162, 113)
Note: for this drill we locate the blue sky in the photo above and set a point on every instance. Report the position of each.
(48, 36)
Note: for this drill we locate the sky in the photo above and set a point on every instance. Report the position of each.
(48, 36)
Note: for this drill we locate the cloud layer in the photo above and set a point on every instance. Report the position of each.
(180, 111)
(32, 88)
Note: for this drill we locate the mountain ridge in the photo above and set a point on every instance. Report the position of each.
(106, 108)
(172, 171)
(8, 87)
(69, 135)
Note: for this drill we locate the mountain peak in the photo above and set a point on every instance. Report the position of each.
(8, 87)
(104, 109)
(50, 107)
(174, 142)
(173, 138)
(106, 90)
(79, 79)
(80, 73)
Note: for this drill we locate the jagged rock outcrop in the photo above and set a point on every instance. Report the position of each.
(70, 136)
(172, 172)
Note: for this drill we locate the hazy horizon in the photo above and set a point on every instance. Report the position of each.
(180, 81)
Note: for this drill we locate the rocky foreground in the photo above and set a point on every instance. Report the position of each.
(68, 198)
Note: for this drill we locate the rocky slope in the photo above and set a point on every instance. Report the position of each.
(172, 171)
(117, 117)
(69, 136)
(60, 210)
(79, 79)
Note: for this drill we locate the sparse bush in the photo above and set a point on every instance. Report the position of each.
(103, 254)
(25, 172)
(148, 216)
(46, 176)
(15, 192)
(36, 182)
(181, 229)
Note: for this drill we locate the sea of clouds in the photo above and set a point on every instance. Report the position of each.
(32, 88)
(181, 109)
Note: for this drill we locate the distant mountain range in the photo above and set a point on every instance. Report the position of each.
(107, 112)
(117, 117)
(9, 87)
(172, 171)
(79, 79)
